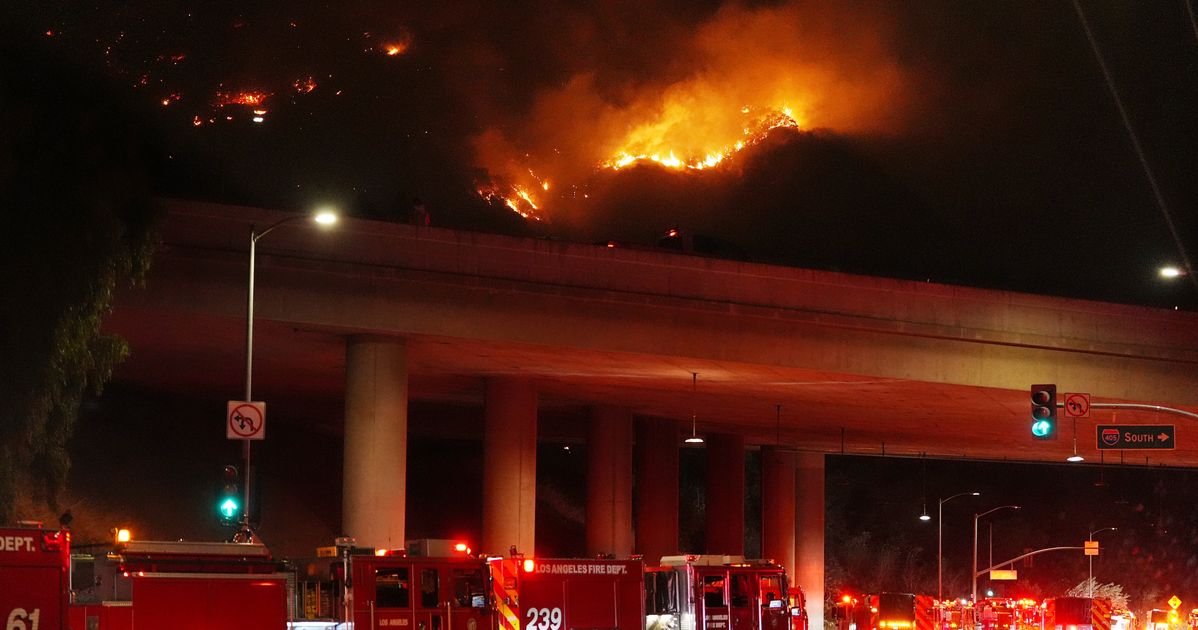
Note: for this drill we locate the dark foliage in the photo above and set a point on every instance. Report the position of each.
(78, 221)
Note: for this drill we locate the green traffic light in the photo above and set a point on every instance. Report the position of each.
(229, 508)
(1041, 428)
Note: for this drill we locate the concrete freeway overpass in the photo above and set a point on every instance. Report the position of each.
(379, 314)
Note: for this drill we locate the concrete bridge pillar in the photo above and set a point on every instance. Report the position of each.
(374, 485)
(656, 488)
(609, 481)
(778, 507)
(510, 466)
(809, 534)
(725, 494)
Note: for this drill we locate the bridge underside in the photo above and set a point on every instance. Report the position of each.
(298, 369)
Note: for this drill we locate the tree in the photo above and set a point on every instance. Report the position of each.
(78, 220)
(1113, 592)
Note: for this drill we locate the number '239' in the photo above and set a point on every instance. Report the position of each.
(544, 619)
(18, 617)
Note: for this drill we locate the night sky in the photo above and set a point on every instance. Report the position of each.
(970, 143)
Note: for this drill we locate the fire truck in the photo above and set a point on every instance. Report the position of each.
(881, 611)
(720, 592)
(147, 585)
(887, 611)
(442, 585)
(996, 613)
(954, 614)
(1077, 613)
(1163, 620)
(34, 577)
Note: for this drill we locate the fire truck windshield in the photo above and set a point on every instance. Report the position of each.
(468, 589)
(896, 606)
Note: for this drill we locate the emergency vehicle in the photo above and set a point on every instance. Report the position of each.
(431, 585)
(888, 611)
(953, 614)
(884, 611)
(441, 585)
(995, 613)
(34, 577)
(1163, 620)
(147, 585)
(1077, 613)
(553, 594)
(720, 592)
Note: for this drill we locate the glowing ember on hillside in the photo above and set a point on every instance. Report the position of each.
(394, 48)
(304, 85)
(650, 141)
(247, 98)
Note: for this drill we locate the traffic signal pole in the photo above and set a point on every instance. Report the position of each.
(246, 532)
(1180, 412)
(978, 574)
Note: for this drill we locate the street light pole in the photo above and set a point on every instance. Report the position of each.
(324, 218)
(940, 542)
(975, 544)
(1090, 578)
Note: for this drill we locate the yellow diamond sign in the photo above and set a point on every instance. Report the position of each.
(1174, 602)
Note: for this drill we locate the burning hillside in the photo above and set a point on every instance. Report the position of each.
(739, 77)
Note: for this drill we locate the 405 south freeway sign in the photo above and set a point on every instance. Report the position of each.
(1136, 436)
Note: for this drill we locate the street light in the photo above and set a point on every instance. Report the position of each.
(975, 544)
(940, 541)
(1090, 580)
(324, 218)
(1171, 272)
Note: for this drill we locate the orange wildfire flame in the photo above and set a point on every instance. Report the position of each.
(518, 197)
(734, 80)
(645, 143)
(247, 98)
(304, 85)
(649, 143)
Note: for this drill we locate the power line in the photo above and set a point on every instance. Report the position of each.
(1135, 141)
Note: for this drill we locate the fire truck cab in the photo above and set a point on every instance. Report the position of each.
(432, 585)
(707, 592)
(34, 576)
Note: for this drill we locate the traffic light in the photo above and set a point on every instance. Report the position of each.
(228, 502)
(1044, 411)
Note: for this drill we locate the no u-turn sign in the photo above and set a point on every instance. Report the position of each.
(245, 420)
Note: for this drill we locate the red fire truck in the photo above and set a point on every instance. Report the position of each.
(34, 577)
(433, 585)
(146, 585)
(1077, 613)
(440, 585)
(719, 593)
(954, 614)
(554, 594)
